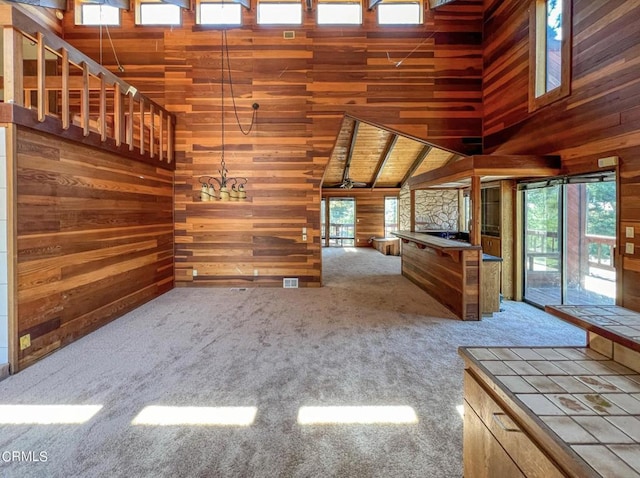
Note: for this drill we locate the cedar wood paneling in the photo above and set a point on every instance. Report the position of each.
(600, 118)
(94, 239)
(422, 80)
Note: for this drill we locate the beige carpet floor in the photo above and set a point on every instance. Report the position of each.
(218, 383)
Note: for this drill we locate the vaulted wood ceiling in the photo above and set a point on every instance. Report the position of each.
(369, 156)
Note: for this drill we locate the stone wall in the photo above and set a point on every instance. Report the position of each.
(434, 209)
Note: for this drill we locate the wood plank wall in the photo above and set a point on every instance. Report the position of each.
(600, 118)
(94, 239)
(424, 81)
(369, 211)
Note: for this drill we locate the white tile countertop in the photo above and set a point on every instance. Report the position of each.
(584, 402)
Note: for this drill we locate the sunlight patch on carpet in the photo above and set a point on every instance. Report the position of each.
(46, 414)
(207, 416)
(357, 415)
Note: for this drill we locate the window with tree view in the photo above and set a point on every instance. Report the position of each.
(390, 215)
(550, 51)
(342, 222)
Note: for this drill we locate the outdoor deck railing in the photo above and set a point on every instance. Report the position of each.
(544, 245)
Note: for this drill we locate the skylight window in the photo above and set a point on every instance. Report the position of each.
(220, 13)
(285, 13)
(91, 14)
(396, 13)
(158, 14)
(339, 13)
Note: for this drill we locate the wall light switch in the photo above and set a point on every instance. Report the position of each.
(195, 272)
(304, 230)
(629, 232)
(629, 248)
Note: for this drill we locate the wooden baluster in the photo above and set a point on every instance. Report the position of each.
(130, 124)
(141, 125)
(102, 126)
(170, 139)
(117, 114)
(84, 113)
(65, 89)
(161, 136)
(41, 92)
(152, 129)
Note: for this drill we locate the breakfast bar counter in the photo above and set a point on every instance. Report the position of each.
(557, 411)
(448, 270)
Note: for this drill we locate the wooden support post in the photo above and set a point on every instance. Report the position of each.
(65, 89)
(476, 211)
(41, 75)
(412, 211)
(13, 71)
(12, 246)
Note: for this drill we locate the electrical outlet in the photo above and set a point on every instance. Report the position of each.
(304, 237)
(629, 248)
(255, 272)
(195, 272)
(25, 341)
(629, 232)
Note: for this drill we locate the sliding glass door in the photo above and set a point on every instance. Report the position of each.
(569, 243)
(542, 245)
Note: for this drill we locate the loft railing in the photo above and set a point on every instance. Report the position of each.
(44, 74)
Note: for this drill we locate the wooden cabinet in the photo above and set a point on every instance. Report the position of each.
(491, 245)
(508, 450)
(484, 457)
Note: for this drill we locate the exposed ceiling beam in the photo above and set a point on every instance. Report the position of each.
(452, 159)
(416, 163)
(349, 155)
(391, 142)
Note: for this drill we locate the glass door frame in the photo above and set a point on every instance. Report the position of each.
(564, 184)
